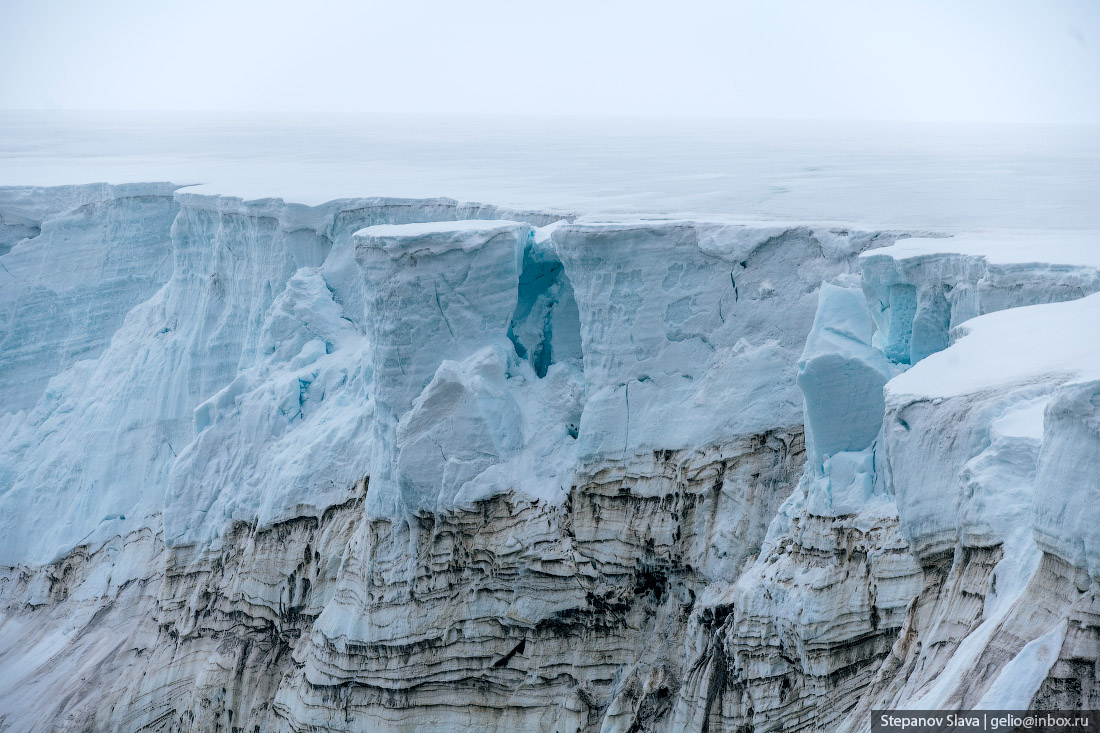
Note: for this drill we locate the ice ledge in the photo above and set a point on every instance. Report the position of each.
(1081, 249)
(438, 237)
(921, 288)
(37, 203)
(314, 216)
(404, 231)
(1010, 347)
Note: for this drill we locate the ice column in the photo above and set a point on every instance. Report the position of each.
(435, 292)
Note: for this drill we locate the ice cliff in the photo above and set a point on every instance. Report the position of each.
(387, 464)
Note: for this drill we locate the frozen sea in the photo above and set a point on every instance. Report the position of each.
(872, 175)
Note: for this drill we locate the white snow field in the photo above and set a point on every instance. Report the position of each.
(705, 427)
(859, 174)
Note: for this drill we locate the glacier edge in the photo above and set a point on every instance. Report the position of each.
(486, 435)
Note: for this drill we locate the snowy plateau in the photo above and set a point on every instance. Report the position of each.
(412, 464)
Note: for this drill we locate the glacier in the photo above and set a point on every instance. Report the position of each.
(400, 464)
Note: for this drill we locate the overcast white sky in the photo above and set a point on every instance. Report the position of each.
(985, 60)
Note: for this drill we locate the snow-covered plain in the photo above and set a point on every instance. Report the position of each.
(864, 175)
(410, 442)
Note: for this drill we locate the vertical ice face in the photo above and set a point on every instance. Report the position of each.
(437, 294)
(285, 358)
(348, 216)
(1067, 485)
(14, 228)
(73, 261)
(931, 478)
(99, 444)
(841, 376)
(306, 396)
(231, 330)
(690, 331)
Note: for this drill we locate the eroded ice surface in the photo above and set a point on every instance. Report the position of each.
(677, 320)
(257, 321)
(414, 449)
(76, 260)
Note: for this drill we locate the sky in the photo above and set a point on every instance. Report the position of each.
(915, 60)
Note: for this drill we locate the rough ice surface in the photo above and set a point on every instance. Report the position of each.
(227, 343)
(73, 261)
(454, 397)
(1020, 679)
(307, 395)
(452, 287)
(384, 463)
(107, 430)
(953, 468)
(920, 288)
(675, 321)
(939, 412)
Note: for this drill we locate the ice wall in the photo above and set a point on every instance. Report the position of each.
(678, 326)
(904, 560)
(73, 261)
(382, 463)
(1068, 477)
(505, 554)
(235, 330)
(448, 384)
